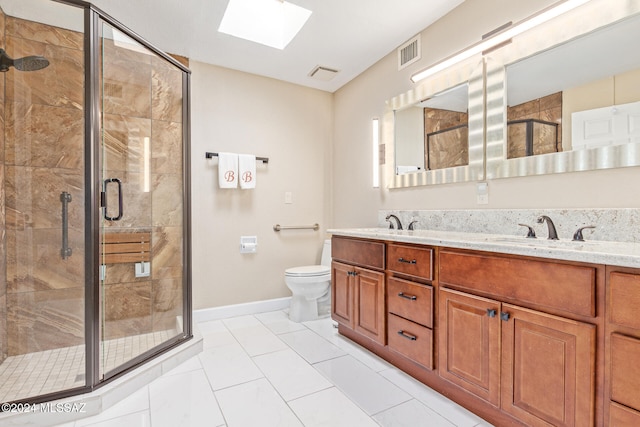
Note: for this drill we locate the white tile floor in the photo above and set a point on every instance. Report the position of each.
(263, 370)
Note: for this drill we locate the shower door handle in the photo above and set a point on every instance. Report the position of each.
(66, 251)
(104, 199)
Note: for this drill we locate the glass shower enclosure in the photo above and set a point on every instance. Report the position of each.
(94, 206)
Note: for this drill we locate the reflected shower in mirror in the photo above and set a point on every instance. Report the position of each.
(577, 95)
(433, 134)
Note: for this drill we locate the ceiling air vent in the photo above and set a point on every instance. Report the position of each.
(409, 52)
(323, 73)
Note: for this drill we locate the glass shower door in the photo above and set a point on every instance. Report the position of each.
(141, 272)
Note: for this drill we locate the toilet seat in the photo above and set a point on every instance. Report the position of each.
(308, 271)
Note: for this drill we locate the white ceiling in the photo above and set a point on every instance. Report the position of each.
(345, 35)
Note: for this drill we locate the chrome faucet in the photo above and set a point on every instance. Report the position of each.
(388, 218)
(553, 235)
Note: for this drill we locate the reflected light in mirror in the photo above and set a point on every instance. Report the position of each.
(500, 37)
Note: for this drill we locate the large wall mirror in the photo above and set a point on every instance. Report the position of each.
(570, 94)
(434, 133)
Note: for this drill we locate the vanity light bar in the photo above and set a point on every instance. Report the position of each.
(375, 140)
(499, 37)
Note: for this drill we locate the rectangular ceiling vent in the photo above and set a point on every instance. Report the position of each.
(323, 73)
(409, 52)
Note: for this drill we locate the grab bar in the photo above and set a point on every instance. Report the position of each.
(279, 227)
(66, 251)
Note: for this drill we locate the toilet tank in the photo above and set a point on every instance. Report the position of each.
(326, 253)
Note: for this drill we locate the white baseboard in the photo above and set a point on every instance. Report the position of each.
(216, 313)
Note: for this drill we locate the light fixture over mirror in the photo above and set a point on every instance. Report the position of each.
(497, 38)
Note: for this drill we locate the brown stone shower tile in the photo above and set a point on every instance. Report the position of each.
(167, 147)
(124, 139)
(166, 253)
(34, 262)
(125, 49)
(127, 309)
(33, 197)
(44, 136)
(167, 303)
(38, 321)
(166, 199)
(3, 328)
(166, 92)
(61, 84)
(127, 87)
(3, 26)
(45, 33)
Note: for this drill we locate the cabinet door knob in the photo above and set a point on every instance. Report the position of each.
(491, 312)
(504, 316)
(407, 336)
(411, 297)
(413, 261)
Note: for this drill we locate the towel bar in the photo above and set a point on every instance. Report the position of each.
(279, 227)
(209, 155)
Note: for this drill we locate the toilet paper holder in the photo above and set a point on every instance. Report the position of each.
(248, 244)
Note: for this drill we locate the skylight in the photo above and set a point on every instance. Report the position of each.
(272, 23)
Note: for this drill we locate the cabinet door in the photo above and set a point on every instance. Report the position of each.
(369, 308)
(548, 366)
(469, 353)
(342, 294)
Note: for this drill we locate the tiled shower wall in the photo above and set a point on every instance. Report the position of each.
(43, 157)
(3, 269)
(41, 154)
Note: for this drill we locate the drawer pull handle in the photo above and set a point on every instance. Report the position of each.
(413, 261)
(410, 297)
(491, 312)
(407, 336)
(504, 316)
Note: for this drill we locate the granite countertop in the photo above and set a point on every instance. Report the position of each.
(622, 254)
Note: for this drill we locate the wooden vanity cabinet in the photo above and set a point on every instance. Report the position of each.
(410, 302)
(535, 366)
(358, 287)
(622, 378)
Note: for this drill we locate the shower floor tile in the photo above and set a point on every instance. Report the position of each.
(35, 374)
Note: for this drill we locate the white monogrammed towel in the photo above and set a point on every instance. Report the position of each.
(247, 170)
(228, 170)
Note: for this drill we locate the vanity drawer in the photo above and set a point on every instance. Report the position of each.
(410, 300)
(358, 252)
(410, 260)
(565, 287)
(624, 299)
(411, 340)
(625, 371)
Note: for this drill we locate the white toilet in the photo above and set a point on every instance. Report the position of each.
(311, 288)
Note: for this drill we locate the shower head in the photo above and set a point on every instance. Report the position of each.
(28, 63)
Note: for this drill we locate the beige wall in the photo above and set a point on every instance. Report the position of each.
(243, 113)
(355, 201)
